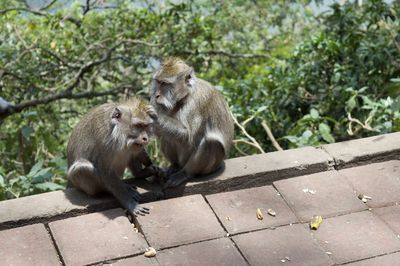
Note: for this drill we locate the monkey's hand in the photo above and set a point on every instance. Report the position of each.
(176, 179)
(132, 206)
(152, 112)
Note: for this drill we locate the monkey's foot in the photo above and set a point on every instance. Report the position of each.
(176, 180)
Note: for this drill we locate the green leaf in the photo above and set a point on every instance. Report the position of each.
(36, 168)
(42, 175)
(325, 132)
(351, 103)
(26, 132)
(314, 113)
(49, 186)
(306, 134)
(262, 108)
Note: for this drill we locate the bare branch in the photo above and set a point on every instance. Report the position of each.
(86, 8)
(252, 140)
(62, 95)
(23, 9)
(226, 53)
(48, 5)
(271, 136)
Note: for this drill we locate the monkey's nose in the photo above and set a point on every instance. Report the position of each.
(145, 140)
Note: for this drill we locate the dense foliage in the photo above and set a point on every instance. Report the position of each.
(309, 77)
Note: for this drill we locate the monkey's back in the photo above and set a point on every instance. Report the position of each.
(214, 108)
(89, 135)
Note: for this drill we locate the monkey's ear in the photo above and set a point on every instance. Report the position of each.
(116, 113)
(190, 79)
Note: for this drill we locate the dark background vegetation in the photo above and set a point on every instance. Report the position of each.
(302, 72)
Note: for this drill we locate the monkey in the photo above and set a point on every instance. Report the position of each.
(194, 125)
(106, 141)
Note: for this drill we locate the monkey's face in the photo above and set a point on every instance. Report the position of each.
(132, 127)
(167, 92)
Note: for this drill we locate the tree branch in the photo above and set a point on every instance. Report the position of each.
(226, 53)
(271, 136)
(12, 109)
(252, 140)
(23, 9)
(48, 5)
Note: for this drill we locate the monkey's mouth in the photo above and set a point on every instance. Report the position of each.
(134, 144)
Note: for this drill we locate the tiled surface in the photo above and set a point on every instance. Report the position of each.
(213, 252)
(385, 260)
(287, 245)
(237, 209)
(28, 245)
(179, 221)
(96, 237)
(186, 230)
(139, 260)
(356, 236)
(381, 181)
(391, 215)
(333, 195)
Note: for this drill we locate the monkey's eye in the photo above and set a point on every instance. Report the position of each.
(162, 83)
(117, 113)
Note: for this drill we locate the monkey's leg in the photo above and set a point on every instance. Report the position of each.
(205, 160)
(82, 175)
(169, 150)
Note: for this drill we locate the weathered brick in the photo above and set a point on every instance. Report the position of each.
(391, 259)
(381, 181)
(356, 236)
(96, 237)
(139, 260)
(179, 221)
(327, 194)
(391, 215)
(377, 148)
(241, 205)
(258, 170)
(214, 252)
(28, 245)
(291, 245)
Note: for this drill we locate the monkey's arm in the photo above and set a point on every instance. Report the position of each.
(172, 126)
(142, 159)
(127, 196)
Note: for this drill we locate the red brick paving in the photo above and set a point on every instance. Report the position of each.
(193, 230)
(28, 245)
(356, 236)
(291, 245)
(385, 260)
(96, 237)
(326, 194)
(139, 260)
(381, 181)
(237, 209)
(179, 221)
(213, 252)
(390, 215)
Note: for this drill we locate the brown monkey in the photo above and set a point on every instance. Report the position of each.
(194, 122)
(106, 140)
